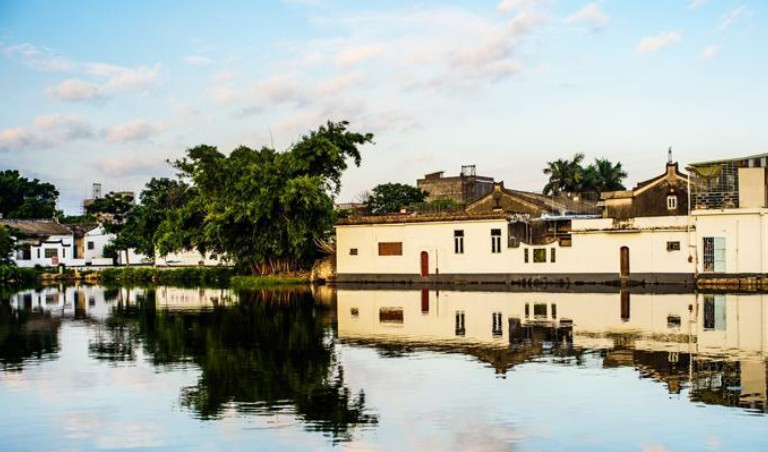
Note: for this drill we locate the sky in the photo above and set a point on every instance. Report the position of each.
(108, 92)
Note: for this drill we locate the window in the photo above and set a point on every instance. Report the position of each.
(552, 254)
(390, 248)
(539, 310)
(497, 329)
(90, 245)
(714, 312)
(671, 202)
(553, 310)
(527, 310)
(353, 252)
(354, 312)
(38, 253)
(458, 242)
(539, 255)
(391, 315)
(495, 240)
(673, 246)
(51, 252)
(525, 255)
(460, 331)
(64, 253)
(714, 254)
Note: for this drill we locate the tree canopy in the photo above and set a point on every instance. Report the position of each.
(6, 244)
(261, 209)
(24, 198)
(114, 212)
(570, 176)
(391, 197)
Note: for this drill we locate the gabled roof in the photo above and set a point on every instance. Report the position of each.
(672, 172)
(37, 227)
(545, 203)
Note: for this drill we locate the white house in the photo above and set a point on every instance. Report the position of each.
(43, 242)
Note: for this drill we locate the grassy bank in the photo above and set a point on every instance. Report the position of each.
(215, 276)
(262, 282)
(11, 275)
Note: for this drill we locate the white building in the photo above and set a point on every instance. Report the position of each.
(42, 242)
(725, 235)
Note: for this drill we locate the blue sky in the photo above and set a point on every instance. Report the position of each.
(105, 92)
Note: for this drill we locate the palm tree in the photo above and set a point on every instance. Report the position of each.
(603, 175)
(564, 175)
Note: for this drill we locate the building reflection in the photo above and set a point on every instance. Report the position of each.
(713, 344)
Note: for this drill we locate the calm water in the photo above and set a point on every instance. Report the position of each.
(89, 368)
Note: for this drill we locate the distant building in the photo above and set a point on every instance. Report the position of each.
(663, 195)
(463, 188)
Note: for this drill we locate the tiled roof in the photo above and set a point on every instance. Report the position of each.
(36, 227)
(420, 218)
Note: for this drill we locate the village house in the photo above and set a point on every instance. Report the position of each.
(645, 235)
(42, 242)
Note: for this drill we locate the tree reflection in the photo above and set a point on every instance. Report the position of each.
(26, 335)
(269, 353)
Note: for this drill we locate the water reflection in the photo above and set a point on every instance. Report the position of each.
(174, 368)
(714, 344)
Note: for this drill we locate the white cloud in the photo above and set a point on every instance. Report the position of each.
(651, 44)
(109, 79)
(222, 94)
(506, 6)
(710, 52)
(74, 90)
(589, 15)
(357, 54)
(46, 132)
(225, 76)
(197, 60)
(136, 130)
(38, 58)
(696, 4)
(732, 16)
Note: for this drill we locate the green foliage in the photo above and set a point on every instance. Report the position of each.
(24, 198)
(7, 245)
(206, 276)
(569, 176)
(263, 210)
(77, 219)
(261, 282)
(390, 198)
(11, 275)
(439, 205)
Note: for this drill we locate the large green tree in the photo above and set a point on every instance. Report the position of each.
(24, 198)
(390, 197)
(261, 209)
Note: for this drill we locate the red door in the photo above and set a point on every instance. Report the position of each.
(624, 261)
(424, 263)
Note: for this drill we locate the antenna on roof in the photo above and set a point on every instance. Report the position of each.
(669, 156)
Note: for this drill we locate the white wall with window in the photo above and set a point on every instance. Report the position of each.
(734, 241)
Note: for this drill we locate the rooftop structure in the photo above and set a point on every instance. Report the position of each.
(462, 188)
(729, 183)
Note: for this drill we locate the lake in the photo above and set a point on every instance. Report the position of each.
(382, 369)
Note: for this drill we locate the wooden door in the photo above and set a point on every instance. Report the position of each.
(624, 261)
(424, 263)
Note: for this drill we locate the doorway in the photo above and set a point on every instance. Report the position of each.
(424, 263)
(624, 261)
